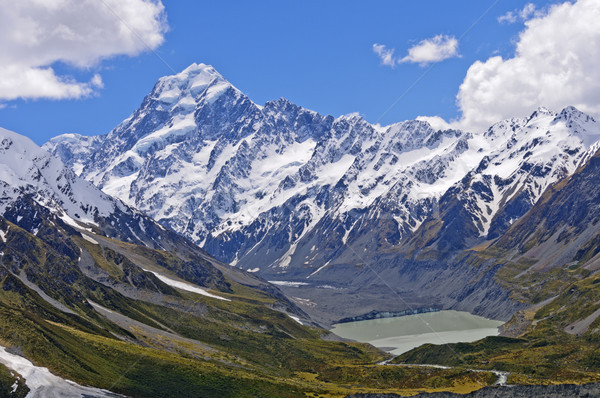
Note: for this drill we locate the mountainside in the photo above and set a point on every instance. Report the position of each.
(558, 237)
(39, 187)
(335, 210)
(249, 182)
(285, 191)
(531, 154)
(77, 303)
(549, 260)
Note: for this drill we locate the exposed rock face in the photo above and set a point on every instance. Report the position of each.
(552, 391)
(297, 196)
(286, 190)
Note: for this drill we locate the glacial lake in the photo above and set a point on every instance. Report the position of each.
(401, 334)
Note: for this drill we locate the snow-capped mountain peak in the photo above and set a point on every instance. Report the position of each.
(33, 181)
(26, 168)
(578, 123)
(541, 112)
(198, 82)
(285, 189)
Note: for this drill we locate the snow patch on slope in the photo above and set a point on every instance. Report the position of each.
(185, 286)
(42, 383)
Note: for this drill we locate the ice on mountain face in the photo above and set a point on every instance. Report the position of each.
(264, 185)
(179, 126)
(530, 155)
(26, 168)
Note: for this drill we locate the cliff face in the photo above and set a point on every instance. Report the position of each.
(322, 202)
(553, 391)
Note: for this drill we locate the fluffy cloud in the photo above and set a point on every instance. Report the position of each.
(555, 65)
(435, 49)
(436, 122)
(35, 34)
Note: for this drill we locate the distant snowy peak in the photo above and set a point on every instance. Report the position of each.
(73, 149)
(177, 105)
(25, 168)
(192, 107)
(33, 180)
(199, 82)
(570, 119)
(283, 188)
(580, 124)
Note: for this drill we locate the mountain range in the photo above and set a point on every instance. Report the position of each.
(98, 300)
(96, 293)
(138, 262)
(331, 207)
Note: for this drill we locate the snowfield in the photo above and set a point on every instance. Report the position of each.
(285, 189)
(43, 384)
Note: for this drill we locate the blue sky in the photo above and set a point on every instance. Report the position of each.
(317, 54)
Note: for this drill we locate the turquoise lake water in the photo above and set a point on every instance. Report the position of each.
(401, 334)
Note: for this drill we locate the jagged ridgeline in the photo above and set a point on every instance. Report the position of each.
(298, 196)
(100, 294)
(347, 217)
(260, 186)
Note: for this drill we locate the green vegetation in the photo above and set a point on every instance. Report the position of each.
(153, 340)
(530, 360)
(558, 337)
(150, 339)
(11, 384)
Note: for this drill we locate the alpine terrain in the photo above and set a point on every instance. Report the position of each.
(106, 291)
(98, 300)
(344, 215)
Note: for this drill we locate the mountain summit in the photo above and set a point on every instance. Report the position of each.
(295, 195)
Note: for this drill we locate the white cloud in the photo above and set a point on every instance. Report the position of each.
(35, 34)
(436, 122)
(508, 18)
(555, 65)
(385, 55)
(528, 11)
(436, 49)
(524, 14)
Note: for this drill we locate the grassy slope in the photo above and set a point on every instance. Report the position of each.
(176, 343)
(543, 352)
(548, 259)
